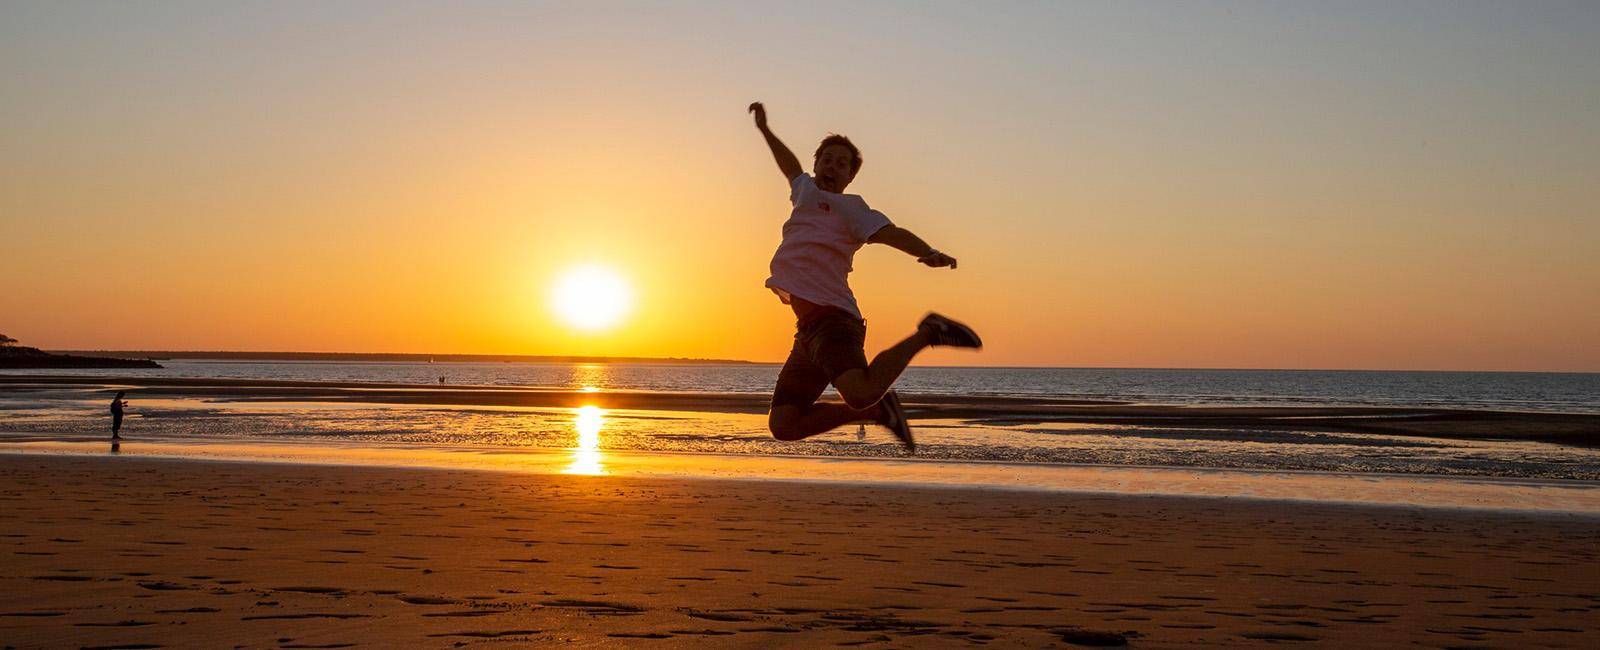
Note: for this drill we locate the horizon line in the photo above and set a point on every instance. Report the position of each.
(456, 357)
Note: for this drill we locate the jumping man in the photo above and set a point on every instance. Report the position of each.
(810, 273)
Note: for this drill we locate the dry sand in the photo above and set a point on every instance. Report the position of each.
(131, 552)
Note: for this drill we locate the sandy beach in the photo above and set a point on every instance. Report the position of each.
(138, 552)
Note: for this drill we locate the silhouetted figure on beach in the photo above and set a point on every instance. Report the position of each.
(810, 273)
(117, 404)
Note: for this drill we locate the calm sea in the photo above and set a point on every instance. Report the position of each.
(1549, 392)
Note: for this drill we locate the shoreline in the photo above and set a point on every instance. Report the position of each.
(1530, 496)
(395, 357)
(1574, 429)
(415, 357)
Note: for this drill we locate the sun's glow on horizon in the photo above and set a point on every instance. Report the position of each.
(592, 297)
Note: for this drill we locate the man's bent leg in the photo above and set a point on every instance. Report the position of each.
(828, 350)
(862, 388)
(790, 423)
(800, 383)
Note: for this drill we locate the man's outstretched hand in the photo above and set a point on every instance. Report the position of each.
(787, 163)
(937, 259)
(761, 115)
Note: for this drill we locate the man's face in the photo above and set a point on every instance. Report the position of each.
(832, 168)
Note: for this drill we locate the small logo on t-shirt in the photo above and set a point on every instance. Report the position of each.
(824, 206)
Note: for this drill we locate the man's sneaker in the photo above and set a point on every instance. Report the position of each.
(894, 419)
(943, 331)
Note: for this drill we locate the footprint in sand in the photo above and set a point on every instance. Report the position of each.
(427, 600)
(598, 607)
(1081, 636)
(715, 616)
(1277, 636)
(707, 632)
(311, 590)
(116, 624)
(489, 635)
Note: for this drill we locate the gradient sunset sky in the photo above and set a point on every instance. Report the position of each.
(1190, 184)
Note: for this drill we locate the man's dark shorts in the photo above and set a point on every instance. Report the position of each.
(828, 341)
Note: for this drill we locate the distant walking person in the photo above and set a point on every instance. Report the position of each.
(117, 404)
(810, 273)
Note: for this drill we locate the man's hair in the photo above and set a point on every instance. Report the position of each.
(834, 138)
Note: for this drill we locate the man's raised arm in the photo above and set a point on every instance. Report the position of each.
(787, 163)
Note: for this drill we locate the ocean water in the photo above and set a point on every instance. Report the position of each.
(78, 413)
(1512, 391)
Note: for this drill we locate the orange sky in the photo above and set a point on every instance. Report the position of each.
(1125, 185)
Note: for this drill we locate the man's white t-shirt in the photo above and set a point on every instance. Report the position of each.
(820, 241)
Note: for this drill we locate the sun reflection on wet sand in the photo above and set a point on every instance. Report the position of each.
(586, 455)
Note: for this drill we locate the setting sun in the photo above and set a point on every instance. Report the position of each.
(592, 297)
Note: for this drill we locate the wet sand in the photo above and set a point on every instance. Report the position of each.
(101, 551)
(1560, 428)
(1551, 496)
